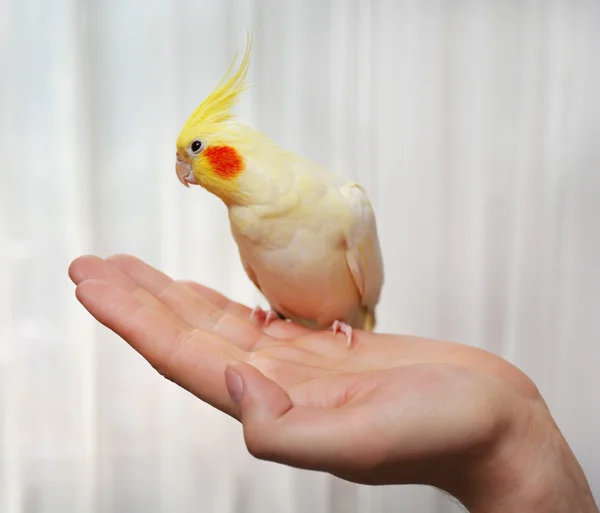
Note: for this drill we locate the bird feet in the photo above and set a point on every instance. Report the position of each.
(263, 318)
(342, 327)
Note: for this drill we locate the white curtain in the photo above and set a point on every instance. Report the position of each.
(475, 126)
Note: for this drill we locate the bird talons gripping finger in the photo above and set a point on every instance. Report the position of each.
(342, 327)
(257, 311)
(271, 316)
(263, 318)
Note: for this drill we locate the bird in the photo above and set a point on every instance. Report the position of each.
(307, 237)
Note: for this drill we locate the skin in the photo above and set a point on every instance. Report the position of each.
(390, 410)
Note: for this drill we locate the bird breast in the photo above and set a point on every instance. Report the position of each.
(304, 274)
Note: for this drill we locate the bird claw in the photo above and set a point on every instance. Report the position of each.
(263, 318)
(342, 327)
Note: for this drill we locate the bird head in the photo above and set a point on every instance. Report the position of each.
(211, 144)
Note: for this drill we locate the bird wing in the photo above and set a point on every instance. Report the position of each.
(363, 252)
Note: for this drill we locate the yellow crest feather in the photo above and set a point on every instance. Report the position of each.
(216, 108)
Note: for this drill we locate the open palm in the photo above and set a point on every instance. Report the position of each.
(384, 411)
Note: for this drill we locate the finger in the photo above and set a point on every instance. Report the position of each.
(218, 299)
(117, 270)
(191, 307)
(91, 267)
(277, 329)
(193, 359)
(327, 439)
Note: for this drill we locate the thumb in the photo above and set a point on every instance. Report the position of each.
(259, 400)
(277, 430)
(260, 403)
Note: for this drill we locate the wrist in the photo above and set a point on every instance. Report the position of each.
(530, 468)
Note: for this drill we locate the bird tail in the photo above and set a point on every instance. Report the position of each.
(370, 321)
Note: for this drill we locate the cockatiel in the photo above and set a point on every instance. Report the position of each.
(306, 237)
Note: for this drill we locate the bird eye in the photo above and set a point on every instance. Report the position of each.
(196, 146)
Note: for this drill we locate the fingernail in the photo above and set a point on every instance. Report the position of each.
(235, 384)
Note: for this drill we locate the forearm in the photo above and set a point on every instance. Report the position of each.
(534, 471)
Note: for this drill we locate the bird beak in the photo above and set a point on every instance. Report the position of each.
(185, 173)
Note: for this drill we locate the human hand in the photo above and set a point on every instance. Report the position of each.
(390, 410)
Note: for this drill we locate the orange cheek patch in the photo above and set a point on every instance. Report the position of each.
(225, 161)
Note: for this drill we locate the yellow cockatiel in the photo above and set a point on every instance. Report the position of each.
(307, 238)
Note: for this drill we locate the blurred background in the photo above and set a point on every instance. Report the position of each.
(474, 125)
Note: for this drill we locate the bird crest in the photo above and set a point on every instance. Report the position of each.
(217, 106)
